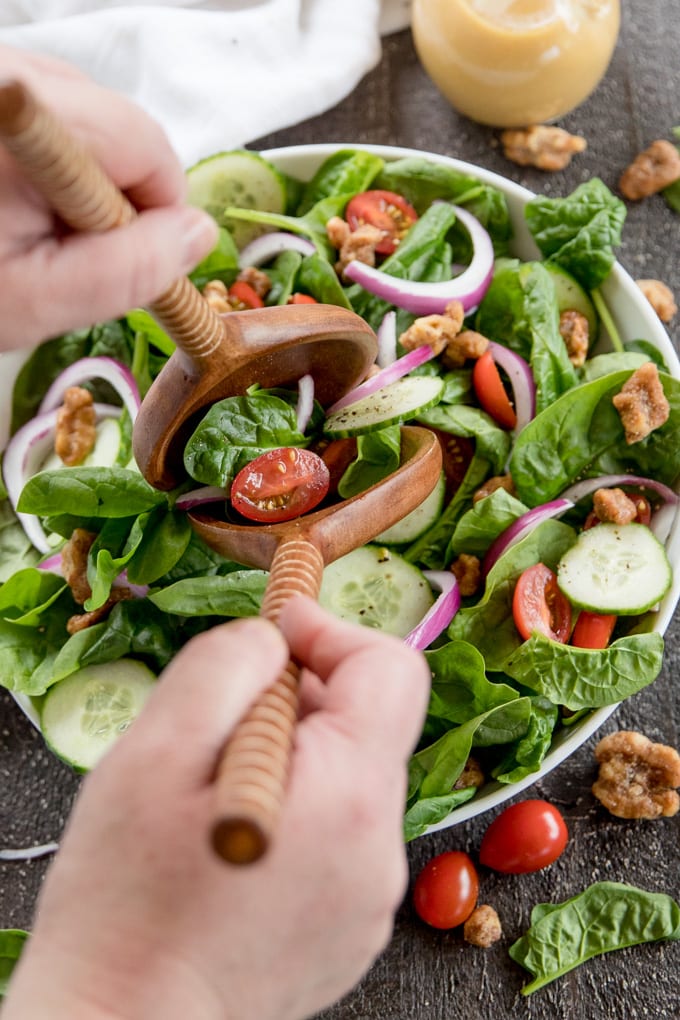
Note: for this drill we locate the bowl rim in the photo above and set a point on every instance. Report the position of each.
(619, 280)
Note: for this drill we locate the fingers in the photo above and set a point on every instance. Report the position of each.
(124, 268)
(201, 696)
(377, 686)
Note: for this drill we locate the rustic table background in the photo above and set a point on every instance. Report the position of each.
(424, 974)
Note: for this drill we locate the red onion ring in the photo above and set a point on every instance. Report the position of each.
(199, 497)
(396, 370)
(662, 518)
(422, 298)
(264, 248)
(522, 381)
(111, 371)
(440, 613)
(387, 340)
(521, 527)
(305, 404)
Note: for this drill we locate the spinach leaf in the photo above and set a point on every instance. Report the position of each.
(378, 455)
(579, 232)
(235, 431)
(584, 678)
(312, 224)
(346, 172)
(460, 688)
(672, 192)
(318, 277)
(89, 492)
(12, 942)
(28, 594)
(111, 551)
(526, 754)
(282, 274)
(604, 917)
(162, 545)
(141, 323)
(41, 369)
(16, 550)
(484, 522)
(27, 653)
(222, 263)
(238, 593)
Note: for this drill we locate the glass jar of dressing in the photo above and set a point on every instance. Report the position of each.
(511, 63)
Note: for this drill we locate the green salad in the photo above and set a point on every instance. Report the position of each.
(529, 576)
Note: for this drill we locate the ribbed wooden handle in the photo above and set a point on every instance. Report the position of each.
(252, 775)
(86, 199)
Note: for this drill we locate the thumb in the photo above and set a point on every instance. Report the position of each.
(201, 696)
(88, 278)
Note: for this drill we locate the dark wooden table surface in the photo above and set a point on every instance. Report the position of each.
(424, 974)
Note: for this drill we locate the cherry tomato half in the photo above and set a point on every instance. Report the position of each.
(337, 455)
(302, 299)
(280, 485)
(457, 453)
(243, 296)
(538, 604)
(525, 837)
(445, 891)
(592, 630)
(383, 209)
(490, 391)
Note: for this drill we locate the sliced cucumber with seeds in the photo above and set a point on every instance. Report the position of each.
(241, 178)
(391, 405)
(83, 715)
(616, 569)
(376, 587)
(571, 295)
(420, 520)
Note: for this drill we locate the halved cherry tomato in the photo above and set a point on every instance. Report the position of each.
(445, 891)
(302, 299)
(457, 453)
(243, 296)
(337, 455)
(539, 605)
(490, 391)
(592, 630)
(280, 485)
(386, 210)
(643, 513)
(525, 837)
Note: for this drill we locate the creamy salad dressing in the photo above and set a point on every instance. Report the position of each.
(509, 63)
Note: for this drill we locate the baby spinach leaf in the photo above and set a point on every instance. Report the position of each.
(41, 369)
(346, 172)
(140, 322)
(162, 545)
(604, 917)
(89, 492)
(222, 263)
(234, 432)
(239, 593)
(16, 549)
(526, 754)
(28, 594)
(584, 678)
(111, 551)
(378, 455)
(579, 232)
(318, 277)
(282, 275)
(12, 942)
(460, 689)
(485, 521)
(430, 810)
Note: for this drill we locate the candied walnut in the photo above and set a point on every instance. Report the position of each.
(467, 344)
(471, 775)
(74, 563)
(574, 331)
(542, 146)
(76, 428)
(216, 294)
(491, 484)
(434, 331)
(483, 927)
(614, 506)
(637, 779)
(359, 244)
(651, 171)
(256, 279)
(660, 297)
(642, 403)
(467, 570)
(80, 621)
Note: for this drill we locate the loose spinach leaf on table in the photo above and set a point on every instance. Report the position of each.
(12, 941)
(604, 917)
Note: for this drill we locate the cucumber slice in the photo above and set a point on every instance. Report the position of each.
(391, 405)
(570, 294)
(376, 587)
(104, 453)
(419, 520)
(239, 178)
(618, 569)
(83, 715)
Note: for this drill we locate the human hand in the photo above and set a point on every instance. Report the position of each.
(54, 281)
(140, 920)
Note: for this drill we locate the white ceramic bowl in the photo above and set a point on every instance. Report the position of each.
(633, 317)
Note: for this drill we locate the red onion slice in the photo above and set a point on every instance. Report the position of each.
(522, 381)
(111, 371)
(199, 497)
(662, 518)
(440, 613)
(305, 404)
(397, 370)
(24, 453)
(386, 336)
(266, 247)
(521, 527)
(422, 298)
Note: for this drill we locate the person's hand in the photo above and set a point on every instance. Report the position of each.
(140, 920)
(52, 280)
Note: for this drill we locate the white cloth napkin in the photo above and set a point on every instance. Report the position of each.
(215, 73)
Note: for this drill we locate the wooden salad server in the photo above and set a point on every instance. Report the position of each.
(217, 357)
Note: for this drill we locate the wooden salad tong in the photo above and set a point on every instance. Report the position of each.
(219, 356)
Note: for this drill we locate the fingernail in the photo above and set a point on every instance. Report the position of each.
(199, 236)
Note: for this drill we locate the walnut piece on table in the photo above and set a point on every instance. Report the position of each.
(76, 426)
(637, 778)
(660, 297)
(642, 403)
(651, 171)
(483, 927)
(542, 146)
